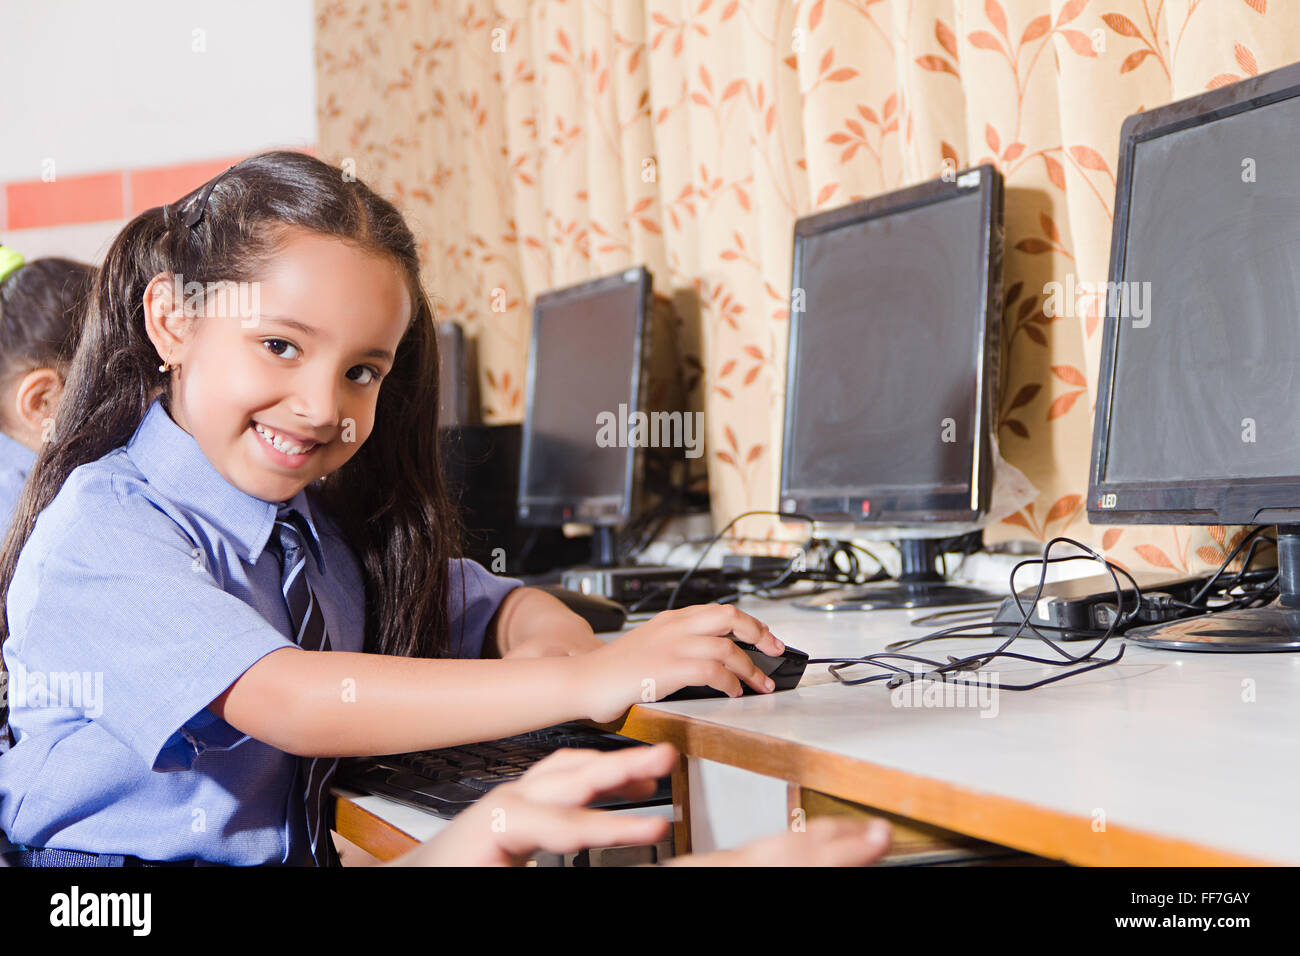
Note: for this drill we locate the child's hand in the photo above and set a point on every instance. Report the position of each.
(672, 650)
(546, 809)
(828, 841)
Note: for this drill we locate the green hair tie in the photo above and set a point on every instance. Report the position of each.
(10, 262)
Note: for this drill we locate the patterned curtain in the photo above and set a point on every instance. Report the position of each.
(537, 144)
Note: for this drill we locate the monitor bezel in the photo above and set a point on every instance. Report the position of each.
(453, 357)
(891, 506)
(1202, 501)
(555, 510)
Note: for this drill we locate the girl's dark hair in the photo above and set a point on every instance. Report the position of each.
(389, 500)
(40, 311)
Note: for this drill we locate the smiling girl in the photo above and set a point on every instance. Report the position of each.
(240, 527)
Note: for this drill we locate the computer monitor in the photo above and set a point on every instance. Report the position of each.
(1198, 399)
(894, 316)
(587, 366)
(457, 376)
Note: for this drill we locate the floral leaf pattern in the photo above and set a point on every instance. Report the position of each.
(536, 144)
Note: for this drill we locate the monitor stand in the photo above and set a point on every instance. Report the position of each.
(604, 546)
(919, 585)
(1275, 627)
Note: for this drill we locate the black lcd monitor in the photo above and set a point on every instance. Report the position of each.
(894, 316)
(582, 460)
(457, 377)
(1198, 398)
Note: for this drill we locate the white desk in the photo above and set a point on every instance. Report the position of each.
(1181, 757)
(1164, 758)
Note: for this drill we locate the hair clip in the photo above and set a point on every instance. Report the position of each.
(11, 260)
(195, 215)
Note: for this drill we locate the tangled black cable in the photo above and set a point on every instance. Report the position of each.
(896, 674)
(1263, 585)
(853, 574)
(649, 524)
(1256, 587)
(677, 587)
(1248, 598)
(793, 573)
(790, 573)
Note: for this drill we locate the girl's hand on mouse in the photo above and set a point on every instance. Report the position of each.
(675, 649)
(546, 809)
(827, 841)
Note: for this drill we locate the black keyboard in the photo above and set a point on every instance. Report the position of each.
(447, 781)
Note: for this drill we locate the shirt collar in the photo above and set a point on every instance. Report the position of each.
(169, 457)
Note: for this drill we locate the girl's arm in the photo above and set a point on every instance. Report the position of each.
(339, 703)
(532, 623)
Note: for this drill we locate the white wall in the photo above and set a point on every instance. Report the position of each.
(85, 241)
(97, 85)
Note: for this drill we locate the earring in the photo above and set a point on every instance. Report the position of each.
(165, 367)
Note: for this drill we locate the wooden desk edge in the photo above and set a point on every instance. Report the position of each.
(1002, 820)
(376, 836)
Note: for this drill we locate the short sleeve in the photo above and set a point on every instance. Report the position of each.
(118, 590)
(474, 594)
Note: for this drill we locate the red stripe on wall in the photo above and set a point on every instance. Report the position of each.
(66, 200)
(155, 187)
(35, 204)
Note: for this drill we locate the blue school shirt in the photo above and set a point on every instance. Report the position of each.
(16, 461)
(145, 590)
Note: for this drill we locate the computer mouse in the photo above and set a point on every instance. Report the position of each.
(785, 672)
(600, 612)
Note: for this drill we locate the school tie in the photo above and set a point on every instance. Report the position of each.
(308, 624)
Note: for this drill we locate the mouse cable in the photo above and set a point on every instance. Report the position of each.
(946, 671)
(953, 616)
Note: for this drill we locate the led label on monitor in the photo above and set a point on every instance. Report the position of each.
(1107, 500)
